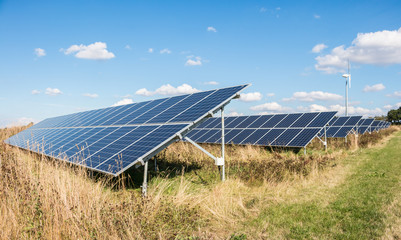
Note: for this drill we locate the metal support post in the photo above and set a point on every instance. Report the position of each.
(346, 97)
(305, 151)
(325, 139)
(223, 171)
(145, 180)
(219, 161)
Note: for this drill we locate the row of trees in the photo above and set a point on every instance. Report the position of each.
(394, 116)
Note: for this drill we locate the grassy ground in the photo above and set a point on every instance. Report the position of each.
(350, 192)
(355, 208)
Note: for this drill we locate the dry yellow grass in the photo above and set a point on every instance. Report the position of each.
(41, 198)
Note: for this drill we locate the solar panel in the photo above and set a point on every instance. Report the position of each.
(375, 126)
(342, 126)
(364, 125)
(113, 139)
(286, 130)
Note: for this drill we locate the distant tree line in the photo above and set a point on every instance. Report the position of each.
(394, 116)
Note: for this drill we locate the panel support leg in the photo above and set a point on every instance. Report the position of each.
(325, 139)
(305, 151)
(145, 180)
(219, 161)
(223, 171)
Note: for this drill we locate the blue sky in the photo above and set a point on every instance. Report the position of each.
(59, 57)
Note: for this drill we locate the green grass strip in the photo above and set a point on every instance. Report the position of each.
(356, 212)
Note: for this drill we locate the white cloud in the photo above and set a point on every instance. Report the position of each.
(395, 106)
(374, 88)
(396, 94)
(150, 50)
(35, 92)
(263, 9)
(270, 95)
(316, 16)
(168, 90)
(271, 107)
(313, 96)
(357, 110)
(211, 83)
(376, 48)
(193, 61)
(388, 107)
(39, 52)
(144, 92)
(20, 122)
(234, 114)
(211, 29)
(352, 110)
(53, 91)
(91, 95)
(319, 47)
(163, 51)
(94, 51)
(250, 97)
(125, 96)
(128, 47)
(123, 102)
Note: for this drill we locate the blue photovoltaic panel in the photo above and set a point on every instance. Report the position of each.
(321, 120)
(260, 121)
(248, 121)
(234, 122)
(305, 119)
(340, 121)
(342, 126)
(331, 131)
(352, 121)
(242, 135)
(286, 137)
(269, 137)
(364, 125)
(288, 120)
(304, 137)
(230, 134)
(111, 140)
(286, 130)
(274, 121)
(375, 126)
(343, 132)
(254, 137)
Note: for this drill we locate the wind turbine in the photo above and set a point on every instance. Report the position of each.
(347, 77)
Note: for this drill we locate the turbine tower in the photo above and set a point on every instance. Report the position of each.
(347, 77)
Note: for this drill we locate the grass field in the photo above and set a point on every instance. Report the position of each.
(352, 191)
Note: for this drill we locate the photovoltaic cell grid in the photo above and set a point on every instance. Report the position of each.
(286, 130)
(111, 140)
(364, 125)
(340, 127)
(377, 125)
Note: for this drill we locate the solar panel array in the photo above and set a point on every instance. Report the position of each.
(113, 139)
(340, 127)
(364, 125)
(286, 130)
(377, 125)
